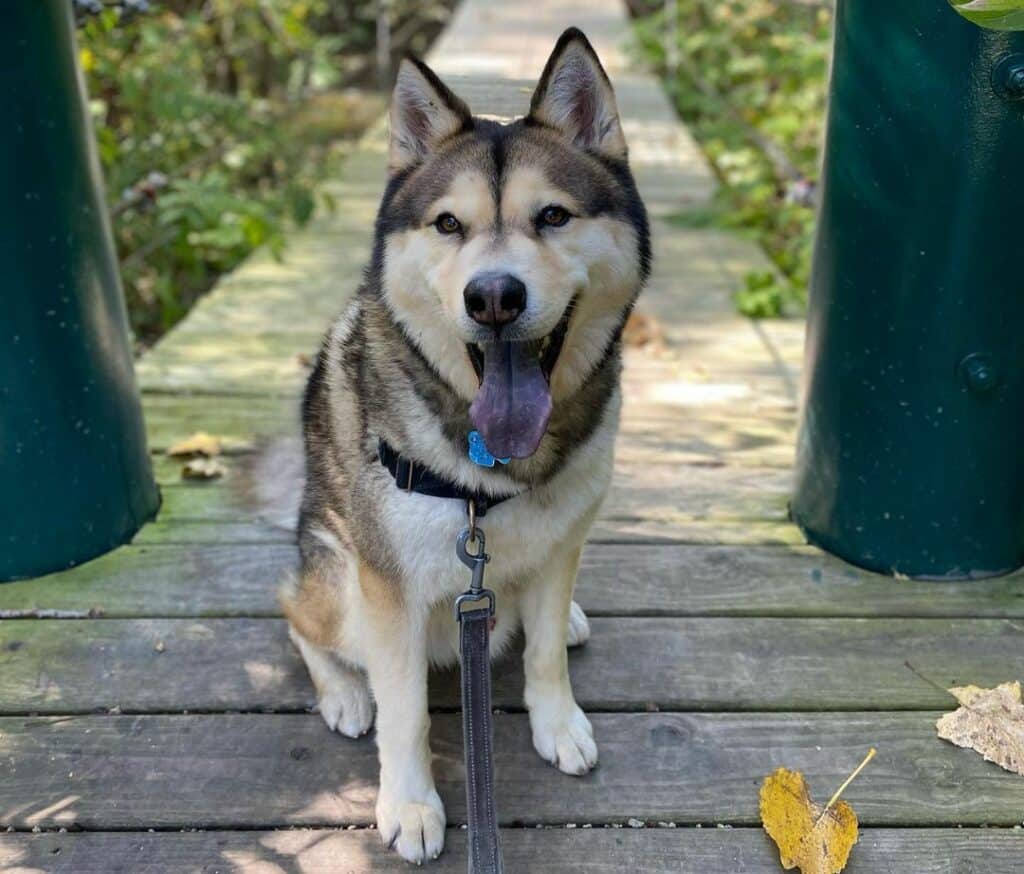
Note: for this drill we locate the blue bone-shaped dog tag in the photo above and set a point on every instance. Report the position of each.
(478, 452)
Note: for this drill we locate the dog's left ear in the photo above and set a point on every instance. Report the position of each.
(575, 97)
(424, 113)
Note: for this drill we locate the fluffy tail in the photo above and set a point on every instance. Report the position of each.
(273, 481)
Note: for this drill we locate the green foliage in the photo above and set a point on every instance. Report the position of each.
(753, 71)
(226, 101)
(993, 14)
(764, 295)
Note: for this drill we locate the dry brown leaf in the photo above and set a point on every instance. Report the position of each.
(642, 330)
(203, 468)
(199, 443)
(990, 722)
(817, 840)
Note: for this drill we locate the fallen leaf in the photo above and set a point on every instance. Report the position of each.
(817, 840)
(199, 443)
(642, 330)
(203, 468)
(990, 722)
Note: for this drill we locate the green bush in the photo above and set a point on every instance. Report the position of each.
(752, 80)
(222, 110)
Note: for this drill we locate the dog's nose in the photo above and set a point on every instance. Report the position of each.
(494, 299)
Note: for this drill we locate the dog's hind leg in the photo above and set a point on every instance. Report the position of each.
(313, 603)
(410, 815)
(562, 734)
(342, 693)
(579, 626)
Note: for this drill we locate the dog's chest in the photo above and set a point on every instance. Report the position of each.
(522, 533)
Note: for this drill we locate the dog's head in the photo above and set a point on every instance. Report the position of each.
(512, 253)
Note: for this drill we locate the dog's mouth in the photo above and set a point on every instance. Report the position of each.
(513, 406)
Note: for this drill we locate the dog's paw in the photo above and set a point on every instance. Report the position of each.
(565, 738)
(346, 705)
(415, 829)
(579, 626)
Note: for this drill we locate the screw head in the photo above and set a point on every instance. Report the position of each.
(979, 373)
(1015, 82)
(1008, 77)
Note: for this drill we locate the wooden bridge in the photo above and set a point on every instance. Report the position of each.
(155, 717)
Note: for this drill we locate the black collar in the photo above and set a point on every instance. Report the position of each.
(412, 477)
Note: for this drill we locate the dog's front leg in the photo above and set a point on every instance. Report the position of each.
(562, 734)
(410, 815)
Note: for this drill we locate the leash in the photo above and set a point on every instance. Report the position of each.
(474, 611)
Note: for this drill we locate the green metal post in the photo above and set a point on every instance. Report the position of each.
(75, 478)
(911, 451)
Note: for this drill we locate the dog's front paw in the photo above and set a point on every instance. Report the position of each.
(413, 827)
(564, 737)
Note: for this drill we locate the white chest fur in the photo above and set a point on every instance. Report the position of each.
(521, 533)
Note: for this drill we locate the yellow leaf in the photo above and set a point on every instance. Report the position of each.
(199, 443)
(817, 840)
(87, 59)
(990, 722)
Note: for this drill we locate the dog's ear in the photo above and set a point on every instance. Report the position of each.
(424, 113)
(575, 97)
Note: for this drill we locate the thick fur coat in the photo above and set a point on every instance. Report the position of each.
(548, 205)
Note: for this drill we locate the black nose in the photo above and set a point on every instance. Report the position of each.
(494, 299)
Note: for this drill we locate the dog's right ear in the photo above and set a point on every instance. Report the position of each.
(424, 113)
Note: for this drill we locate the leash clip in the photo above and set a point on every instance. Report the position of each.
(476, 562)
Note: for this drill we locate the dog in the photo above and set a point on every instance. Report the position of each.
(507, 258)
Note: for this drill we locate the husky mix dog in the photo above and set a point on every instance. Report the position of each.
(507, 259)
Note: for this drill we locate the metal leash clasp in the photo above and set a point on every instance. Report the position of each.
(476, 562)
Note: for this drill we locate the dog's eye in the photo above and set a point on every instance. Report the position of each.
(446, 223)
(553, 216)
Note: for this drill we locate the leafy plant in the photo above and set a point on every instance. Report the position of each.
(993, 14)
(751, 83)
(215, 119)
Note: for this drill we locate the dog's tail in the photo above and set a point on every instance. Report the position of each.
(272, 481)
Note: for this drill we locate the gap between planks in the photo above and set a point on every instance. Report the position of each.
(528, 851)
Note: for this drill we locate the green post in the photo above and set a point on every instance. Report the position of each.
(75, 478)
(911, 451)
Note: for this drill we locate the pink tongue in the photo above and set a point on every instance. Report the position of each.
(512, 408)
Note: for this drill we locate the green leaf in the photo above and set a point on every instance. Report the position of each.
(993, 14)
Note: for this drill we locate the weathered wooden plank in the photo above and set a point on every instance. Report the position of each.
(239, 421)
(241, 580)
(154, 581)
(159, 665)
(527, 851)
(131, 772)
(652, 491)
(651, 433)
(728, 532)
(647, 503)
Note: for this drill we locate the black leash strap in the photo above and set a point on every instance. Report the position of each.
(474, 611)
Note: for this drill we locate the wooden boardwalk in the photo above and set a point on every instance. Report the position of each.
(156, 719)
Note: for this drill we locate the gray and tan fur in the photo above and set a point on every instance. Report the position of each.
(371, 606)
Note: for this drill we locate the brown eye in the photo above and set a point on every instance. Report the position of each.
(446, 223)
(553, 216)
